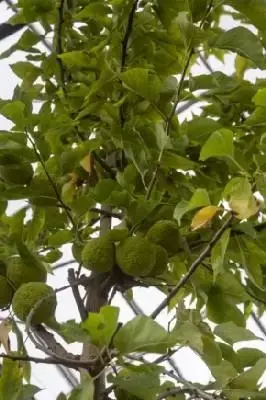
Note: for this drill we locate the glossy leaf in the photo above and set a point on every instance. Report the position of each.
(142, 334)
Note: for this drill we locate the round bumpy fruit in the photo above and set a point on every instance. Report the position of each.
(18, 273)
(26, 298)
(6, 292)
(161, 261)
(166, 234)
(136, 256)
(99, 254)
(17, 174)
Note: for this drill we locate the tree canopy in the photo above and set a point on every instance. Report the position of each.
(105, 162)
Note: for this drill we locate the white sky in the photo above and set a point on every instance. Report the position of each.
(48, 377)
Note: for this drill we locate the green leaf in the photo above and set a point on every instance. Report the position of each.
(221, 308)
(199, 199)
(96, 11)
(242, 41)
(60, 237)
(229, 354)
(73, 332)
(211, 353)
(143, 82)
(238, 192)
(101, 326)
(248, 356)
(28, 392)
(249, 379)
(254, 10)
(76, 59)
(219, 144)
(218, 253)
(142, 334)
(26, 71)
(197, 9)
(84, 391)
(232, 333)
(180, 210)
(15, 112)
(61, 396)
(11, 380)
(173, 160)
(35, 226)
(28, 257)
(142, 381)
(188, 333)
(16, 225)
(27, 40)
(223, 373)
(199, 129)
(260, 98)
(230, 285)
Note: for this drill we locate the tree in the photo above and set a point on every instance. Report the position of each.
(107, 167)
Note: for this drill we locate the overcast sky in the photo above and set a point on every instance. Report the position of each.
(47, 377)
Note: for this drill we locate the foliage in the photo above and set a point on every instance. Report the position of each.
(98, 136)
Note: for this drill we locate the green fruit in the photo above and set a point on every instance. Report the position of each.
(17, 174)
(136, 256)
(161, 261)
(99, 254)
(166, 234)
(27, 296)
(6, 292)
(18, 273)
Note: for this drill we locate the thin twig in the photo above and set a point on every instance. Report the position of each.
(192, 268)
(106, 213)
(32, 27)
(104, 165)
(169, 121)
(57, 194)
(128, 33)
(259, 324)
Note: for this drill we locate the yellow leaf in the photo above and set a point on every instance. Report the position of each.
(87, 163)
(244, 208)
(5, 329)
(68, 191)
(203, 217)
(241, 65)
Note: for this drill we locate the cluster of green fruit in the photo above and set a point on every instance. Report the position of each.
(136, 255)
(23, 286)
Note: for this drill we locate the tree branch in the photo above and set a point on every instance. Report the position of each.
(31, 26)
(49, 360)
(106, 213)
(75, 290)
(192, 268)
(128, 33)
(170, 392)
